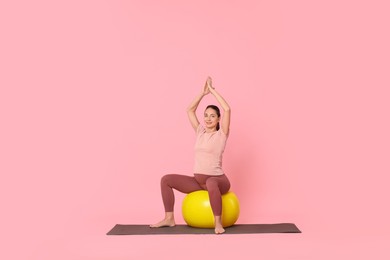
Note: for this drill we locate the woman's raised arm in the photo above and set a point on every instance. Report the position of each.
(225, 124)
(191, 110)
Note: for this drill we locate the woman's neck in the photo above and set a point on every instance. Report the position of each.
(211, 130)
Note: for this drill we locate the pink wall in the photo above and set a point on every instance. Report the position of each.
(92, 105)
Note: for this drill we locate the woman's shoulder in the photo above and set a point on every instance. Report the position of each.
(221, 132)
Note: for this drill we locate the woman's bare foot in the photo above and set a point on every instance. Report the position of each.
(218, 225)
(219, 230)
(164, 223)
(168, 221)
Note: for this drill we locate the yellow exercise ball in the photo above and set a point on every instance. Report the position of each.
(197, 212)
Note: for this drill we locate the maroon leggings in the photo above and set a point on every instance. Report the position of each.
(215, 185)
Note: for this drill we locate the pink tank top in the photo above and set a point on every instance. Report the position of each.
(209, 148)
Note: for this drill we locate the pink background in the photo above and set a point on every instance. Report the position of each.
(92, 105)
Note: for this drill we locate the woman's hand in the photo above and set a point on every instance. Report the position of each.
(209, 84)
(206, 88)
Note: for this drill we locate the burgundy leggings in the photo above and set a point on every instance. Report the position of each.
(215, 185)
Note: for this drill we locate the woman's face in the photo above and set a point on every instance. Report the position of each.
(211, 118)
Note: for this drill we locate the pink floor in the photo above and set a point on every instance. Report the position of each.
(81, 241)
(262, 246)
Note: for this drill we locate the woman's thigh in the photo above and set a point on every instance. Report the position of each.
(221, 182)
(182, 183)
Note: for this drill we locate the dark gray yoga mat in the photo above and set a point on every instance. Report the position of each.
(184, 229)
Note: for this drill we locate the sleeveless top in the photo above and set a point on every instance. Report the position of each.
(209, 148)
